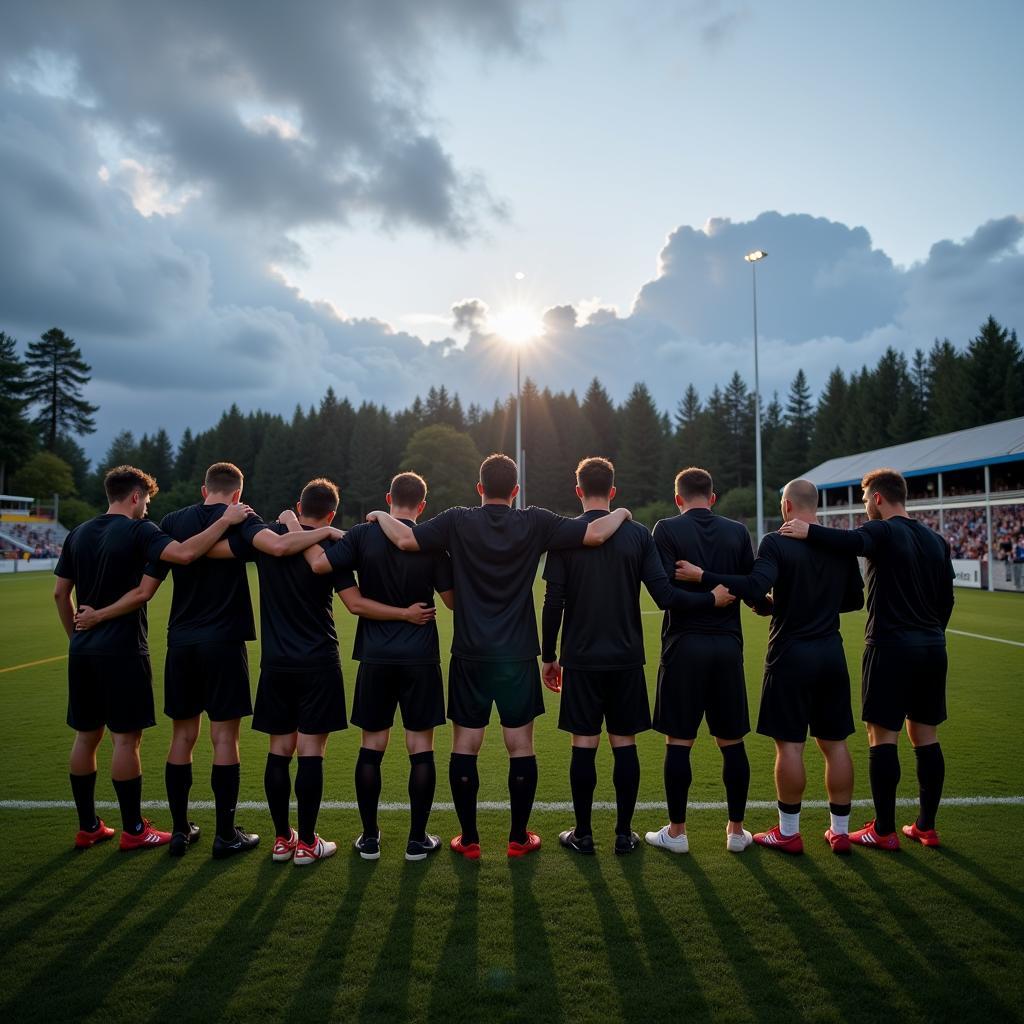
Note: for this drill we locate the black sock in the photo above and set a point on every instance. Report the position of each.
(224, 781)
(178, 779)
(277, 783)
(309, 792)
(367, 788)
(522, 788)
(736, 776)
(787, 808)
(931, 773)
(840, 810)
(464, 779)
(129, 797)
(884, 774)
(626, 779)
(582, 781)
(422, 782)
(678, 777)
(83, 789)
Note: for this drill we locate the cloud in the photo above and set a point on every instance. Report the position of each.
(285, 120)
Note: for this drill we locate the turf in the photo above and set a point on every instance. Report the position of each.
(926, 934)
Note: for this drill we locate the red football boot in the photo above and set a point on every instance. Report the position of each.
(839, 841)
(84, 839)
(471, 851)
(531, 845)
(924, 836)
(867, 836)
(773, 839)
(147, 839)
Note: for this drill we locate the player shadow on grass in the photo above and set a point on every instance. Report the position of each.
(60, 978)
(312, 997)
(458, 965)
(387, 993)
(634, 984)
(672, 979)
(535, 983)
(952, 983)
(754, 972)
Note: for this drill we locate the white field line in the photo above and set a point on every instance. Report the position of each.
(981, 636)
(502, 805)
(958, 632)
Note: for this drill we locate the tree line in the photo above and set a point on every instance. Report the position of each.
(43, 414)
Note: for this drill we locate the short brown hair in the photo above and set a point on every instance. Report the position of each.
(408, 490)
(319, 498)
(224, 478)
(498, 476)
(889, 483)
(121, 481)
(595, 476)
(694, 482)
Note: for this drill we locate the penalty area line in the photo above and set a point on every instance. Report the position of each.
(503, 805)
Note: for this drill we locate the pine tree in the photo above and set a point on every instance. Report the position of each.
(602, 417)
(366, 472)
(829, 419)
(772, 444)
(794, 441)
(185, 457)
(686, 442)
(639, 465)
(56, 375)
(995, 374)
(16, 434)
(737, 461)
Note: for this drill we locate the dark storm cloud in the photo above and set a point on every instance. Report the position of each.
(187, 86)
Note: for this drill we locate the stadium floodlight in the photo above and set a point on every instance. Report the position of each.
(517, 325)
(752, 258)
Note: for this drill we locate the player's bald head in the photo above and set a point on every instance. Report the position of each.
(802, 493)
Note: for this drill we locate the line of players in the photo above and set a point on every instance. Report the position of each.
(482, 562)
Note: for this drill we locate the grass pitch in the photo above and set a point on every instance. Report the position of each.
(925, 934)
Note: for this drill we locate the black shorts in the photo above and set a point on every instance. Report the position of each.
(380, 689)
(514, 686)
(617, 698)
(113, 690)
(702, 676)
(310, 701)
(898, 683)
(807, 686)
(210, 677)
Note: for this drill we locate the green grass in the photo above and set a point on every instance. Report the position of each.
(928, 934)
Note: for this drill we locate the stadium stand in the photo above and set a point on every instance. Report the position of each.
(967, 485)
(27, 533)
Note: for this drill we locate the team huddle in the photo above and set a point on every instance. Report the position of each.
(482, 563)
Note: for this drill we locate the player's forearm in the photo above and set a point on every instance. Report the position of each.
(601, 529)
(551, 623)
(304, 540)
(750, 588)
(670, 598)
(366, 608)
(184, 552)
(849, 542)
(124, 605)
(398, 533)
(66, 613)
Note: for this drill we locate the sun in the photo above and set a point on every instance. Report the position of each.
(516, 323)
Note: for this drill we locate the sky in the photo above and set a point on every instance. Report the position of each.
(372, 195)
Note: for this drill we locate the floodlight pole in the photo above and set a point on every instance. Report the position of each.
(519, 430)
(752, 258)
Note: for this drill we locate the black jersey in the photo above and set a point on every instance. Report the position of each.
(296, 608)
(714, 543)
(909, 579)
(495, 553)
(599, 589)
(211, 601)
(393, 577)
(810, 585)
(105, 558)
